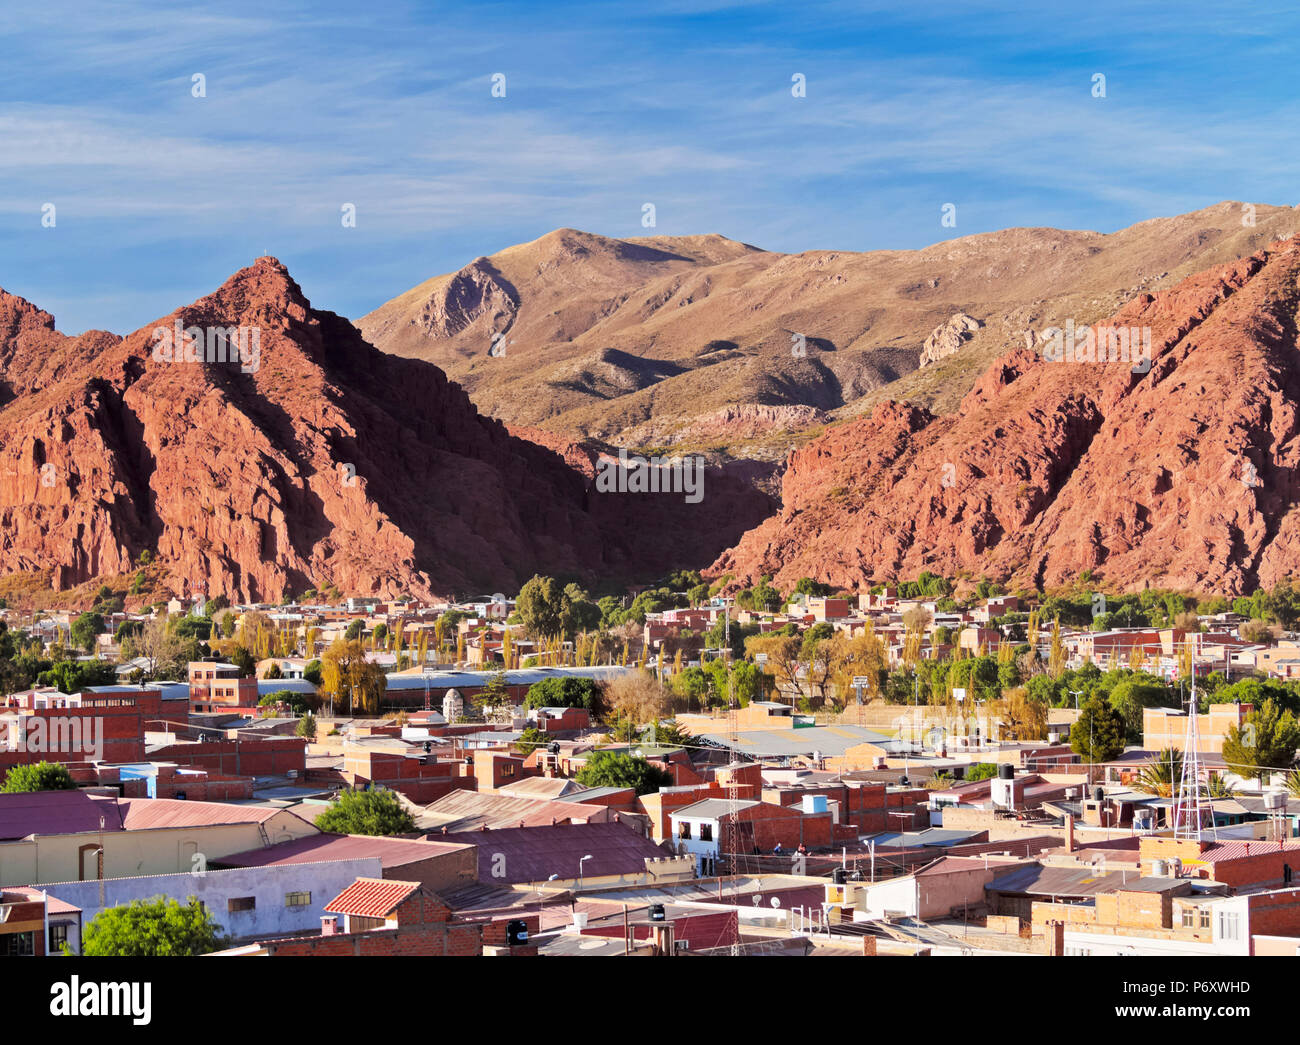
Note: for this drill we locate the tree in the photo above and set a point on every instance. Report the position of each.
(347, 676)
(306, 727)
(1217, 787)
(540, 607)
(156, 928)
(980, 771)
(164, 651)
(639, 696)
(85, 629)
(1255, 631)
(1162, 775)
(226, 624)
(530, 740)
(620, 769)
(72, 676)
(1022, 716)
(1098, 734)
(566, 692)
(243, 660)
(366, 813)
(547, 609)
(1132, 697)
(1267, 740)
(43, 776)
(782, 652)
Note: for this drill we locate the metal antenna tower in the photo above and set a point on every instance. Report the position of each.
(1193, 816)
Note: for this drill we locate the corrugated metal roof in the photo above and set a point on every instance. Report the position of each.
(544, 787)
(1247, 847)
(931, 836)
(392, 852)
(56, 813)
(1038, 880)
(533, 854)
(521, 677)
(267, 686)
(472, 810)
(371, 897)
(144, 814)
(713, 808)
(804, 741)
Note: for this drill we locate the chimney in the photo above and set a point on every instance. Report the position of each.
(329, 925)
(1055, 939)
(1069, 832)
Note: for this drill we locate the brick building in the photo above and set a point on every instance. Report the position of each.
(217, 686)
(381, 918)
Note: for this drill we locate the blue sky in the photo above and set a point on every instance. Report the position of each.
(159, 195)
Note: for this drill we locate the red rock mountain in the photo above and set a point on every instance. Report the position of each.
(327, 462)
(1186, 476)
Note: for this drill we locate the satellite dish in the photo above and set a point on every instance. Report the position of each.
(775, 901)
(756, 899)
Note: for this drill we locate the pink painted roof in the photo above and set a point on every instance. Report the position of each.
(392, 852)
(56, 813)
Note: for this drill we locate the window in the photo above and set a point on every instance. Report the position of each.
(300, 899)
(241, 903)
(706, 832)
(1205, 917)
(1229, 925)
(17, 945)
(1189, 917)
(58, 937)
(684, 830)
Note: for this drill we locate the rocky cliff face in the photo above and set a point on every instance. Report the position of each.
(312, 459)
(1181, 471)
(948, 337)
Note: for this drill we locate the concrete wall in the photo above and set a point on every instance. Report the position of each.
(71, 857)
(267, 886)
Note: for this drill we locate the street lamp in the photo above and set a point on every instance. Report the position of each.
(541, 894)
(580, 863)
(1076, 694)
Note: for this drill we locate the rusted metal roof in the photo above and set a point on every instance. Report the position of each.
(533, 854)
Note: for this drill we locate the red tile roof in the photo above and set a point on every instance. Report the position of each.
(53, 905)
(371, 897)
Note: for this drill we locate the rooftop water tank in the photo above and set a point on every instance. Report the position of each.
(814, 803)
(1006, 771)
